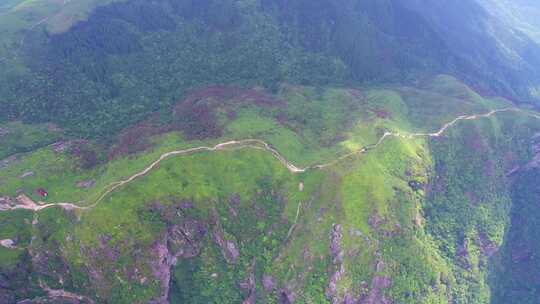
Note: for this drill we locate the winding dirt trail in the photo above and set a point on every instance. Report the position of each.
(261, 145)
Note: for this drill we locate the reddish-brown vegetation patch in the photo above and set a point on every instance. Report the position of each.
(382, 114)
(472, 197)
(196, 114)
(357, 95)
(475, 141)
(136, 138)
(197, 120)
(234, 94)
(86, 154)
(487, 247)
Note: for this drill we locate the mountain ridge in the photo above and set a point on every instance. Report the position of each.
(390, 151)
(302, 42)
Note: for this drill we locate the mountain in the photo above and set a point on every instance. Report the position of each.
(269, 151)
(124, 60)
(521, 15)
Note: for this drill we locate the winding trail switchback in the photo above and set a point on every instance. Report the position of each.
(262, 145)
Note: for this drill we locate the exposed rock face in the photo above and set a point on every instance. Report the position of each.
(47, 257)
(184, 240)
(10, 244)
(268, 282)
(4, 281)
(62, 296)
(234, 204)
(27, 174)
(249, 285)
(7, 296)
(228, 248)
(162, 270)
(487, 247)
(6, 203)
(55, 300)
(350, 299)
(462, 254)
(378, 284)
(4, 163)
(376, 296)
(180, 241)
(112, 253)
(375, 221)
(24, 200)
(61, 146)
(85, 184)
(535, 146)
(336, 236)
(286, 296)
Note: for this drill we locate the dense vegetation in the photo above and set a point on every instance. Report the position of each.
(94, 91)
(408, 222)
(516, 277)
(132, 58)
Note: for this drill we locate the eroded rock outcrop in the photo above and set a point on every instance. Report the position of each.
(6, 162)
(286, 295)
(535, 147)
(85, 184)
(228, 248)
(49, 261)
(8, 243)
(4, 132)
(7, 296)
(269, 283)
(378, 284)
(487, 247)
(179, 242)
(184, 240)
(6, 203)
(161, 269)
(337, 254)
(249, 285)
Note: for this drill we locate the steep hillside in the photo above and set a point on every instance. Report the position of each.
(516, 276)
(269, 151)
(521, 14)
(94, 67)
(379, 195)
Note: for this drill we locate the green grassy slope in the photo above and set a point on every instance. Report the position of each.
(17, 137)
(407, 222)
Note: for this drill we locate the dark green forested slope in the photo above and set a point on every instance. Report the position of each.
(134, 57)
(516, 275)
